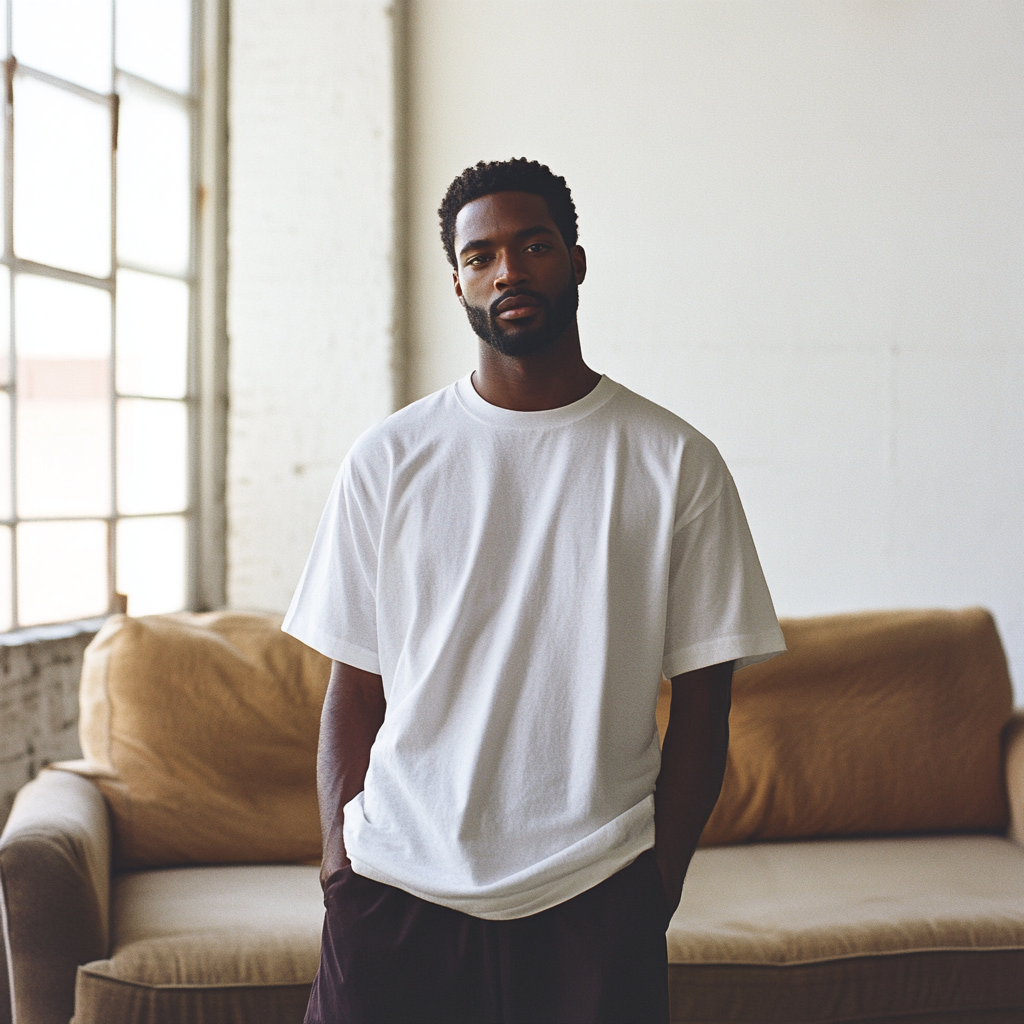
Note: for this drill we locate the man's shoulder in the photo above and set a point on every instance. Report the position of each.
(661, 424)
(412, 424)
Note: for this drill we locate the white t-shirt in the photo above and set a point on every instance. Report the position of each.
(521, 580)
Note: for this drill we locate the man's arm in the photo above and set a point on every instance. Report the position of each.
(353, 713)
(692, 766)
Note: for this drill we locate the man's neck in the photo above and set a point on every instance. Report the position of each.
(543, 380)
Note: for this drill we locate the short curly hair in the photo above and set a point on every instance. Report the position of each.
(516, 175)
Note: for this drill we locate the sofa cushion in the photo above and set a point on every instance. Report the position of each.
(871, 723)
(222, 945)
(850, 929)
(201, 732)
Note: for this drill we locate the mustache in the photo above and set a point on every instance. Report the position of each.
(515, 293)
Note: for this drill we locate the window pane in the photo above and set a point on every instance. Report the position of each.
(152, 466)
(5, 325)
(152, 335)
(62, 571)
(151, 564)
(61, 178)
(60, 320)
(62, 340)
(153, 41)
(66, 38)
(6, 618)
(152, 183)
(5, 460)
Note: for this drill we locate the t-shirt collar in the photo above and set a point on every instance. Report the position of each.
(480, 409)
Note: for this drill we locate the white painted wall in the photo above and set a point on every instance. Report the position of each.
(311, 305)
(805, 229)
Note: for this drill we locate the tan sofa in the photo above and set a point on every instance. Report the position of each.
(864, 862)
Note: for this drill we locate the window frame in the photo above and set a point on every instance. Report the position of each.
(206, 392)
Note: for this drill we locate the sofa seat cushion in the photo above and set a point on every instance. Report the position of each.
(851, 929)
(214, 944)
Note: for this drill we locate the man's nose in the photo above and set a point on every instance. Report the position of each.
(510, 272)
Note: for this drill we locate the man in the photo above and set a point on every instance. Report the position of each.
(502, 574)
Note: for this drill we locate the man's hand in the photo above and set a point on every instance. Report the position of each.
(692, 766)
(352, 715)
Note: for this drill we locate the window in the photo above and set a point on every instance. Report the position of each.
(100, 391)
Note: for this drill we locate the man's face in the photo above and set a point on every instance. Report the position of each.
(516, 279)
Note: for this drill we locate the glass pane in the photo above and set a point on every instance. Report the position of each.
(5, 459)
(62, 571)
(152, 335)
(152, 182)
(61, 178)
(62, 340)
(66, 38)
(153, 41)
(6, 619)
(60, 320)
(5, 325)
(151, 564)
(152, 469)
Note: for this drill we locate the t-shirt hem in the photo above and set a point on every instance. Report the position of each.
(520, 905)
(743, 650)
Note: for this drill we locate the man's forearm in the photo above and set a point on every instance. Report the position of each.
(352, 715)
(692, 766)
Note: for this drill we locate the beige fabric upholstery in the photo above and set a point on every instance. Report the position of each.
(1013, 747)
(107, 1000)
(213, 944)
(850, 929)
(788, 932)
(959, 987)
(873, 723)
(55, 870)
(793, 903)
(201, 732)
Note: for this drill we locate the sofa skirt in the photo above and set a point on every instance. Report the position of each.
(963, 987)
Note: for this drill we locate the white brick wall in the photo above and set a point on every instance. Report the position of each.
(804, 225)
(313, 353)
(38, 709)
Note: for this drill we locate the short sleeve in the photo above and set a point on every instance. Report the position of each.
(334, 609)
(719, 608)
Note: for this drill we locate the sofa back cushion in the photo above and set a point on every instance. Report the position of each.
(201, 731)
(872, 723)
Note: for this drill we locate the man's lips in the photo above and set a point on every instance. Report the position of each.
(515, 307)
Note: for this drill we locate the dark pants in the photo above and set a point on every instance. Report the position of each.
(391, 958)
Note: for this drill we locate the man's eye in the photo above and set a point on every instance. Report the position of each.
(476, 261)
(538, 247)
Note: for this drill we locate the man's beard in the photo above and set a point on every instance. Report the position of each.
(558, 313)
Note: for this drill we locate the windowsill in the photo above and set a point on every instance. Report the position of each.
(58, 631)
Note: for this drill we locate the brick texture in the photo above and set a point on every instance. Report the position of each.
(38, 709)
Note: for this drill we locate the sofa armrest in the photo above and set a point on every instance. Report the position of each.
(55, 878)
(1013, 753)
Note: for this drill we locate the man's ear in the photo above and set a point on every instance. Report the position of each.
(458, 288)
(579, 262)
